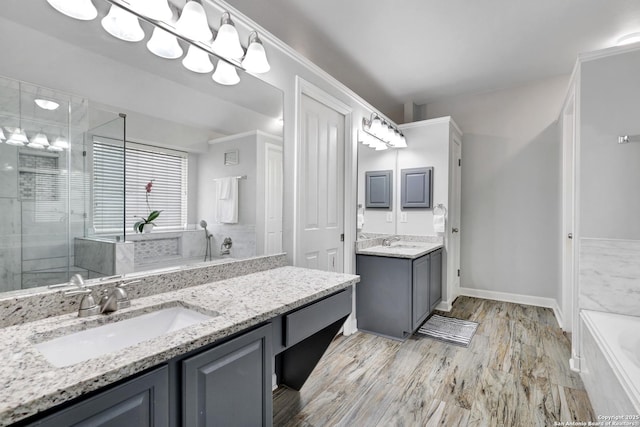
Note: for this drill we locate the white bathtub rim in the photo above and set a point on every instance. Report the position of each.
(632, 390)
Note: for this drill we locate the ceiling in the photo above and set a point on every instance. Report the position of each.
(392, 52)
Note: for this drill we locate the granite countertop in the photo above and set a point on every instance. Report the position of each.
(30, 384)
(402, 249)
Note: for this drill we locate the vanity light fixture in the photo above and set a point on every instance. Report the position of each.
(164, 44)
(83, 10)
(18, 137)
(226, 74)
(383, 135)
(197, 60)
(40, 141)
(255, 60)
(628, 39)
(192, 27)
(227, 42)
(193, 22)
(59, 144)
(46, 104)
(122, 24)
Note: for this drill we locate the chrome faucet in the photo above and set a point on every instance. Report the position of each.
(387, 241)
(225, 247)
(116, 300)
(88, 306)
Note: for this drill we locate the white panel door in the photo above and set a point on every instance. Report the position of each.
(273, 199)
(568, 216)
(321, 186)
(454, 217)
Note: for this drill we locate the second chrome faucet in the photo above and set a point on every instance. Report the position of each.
(109, 302)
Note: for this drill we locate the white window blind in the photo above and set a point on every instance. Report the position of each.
(167, 169)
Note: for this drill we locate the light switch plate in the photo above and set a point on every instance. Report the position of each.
(389, 216)
(403, 217)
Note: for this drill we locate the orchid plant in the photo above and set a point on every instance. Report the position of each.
(153, 215)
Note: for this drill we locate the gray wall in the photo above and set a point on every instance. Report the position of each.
(511, 186)
(610, 173)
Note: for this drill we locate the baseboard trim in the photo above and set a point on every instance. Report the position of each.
(444, 306)
(515, 298)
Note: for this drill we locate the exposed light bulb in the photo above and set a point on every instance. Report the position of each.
(83, 10)
(46, 104)
(193, 22)
(122, 24)
(226, 74)
(255, 61)
(164, 44)
(227, 42)
(197, 60)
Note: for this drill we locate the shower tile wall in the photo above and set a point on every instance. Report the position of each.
(10, 225)
(609, 272)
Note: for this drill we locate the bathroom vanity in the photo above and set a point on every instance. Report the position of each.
(217, 371)
(401, 286)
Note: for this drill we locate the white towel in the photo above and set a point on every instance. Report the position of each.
(227, 207)
(224, 187)
(360, 221)
(438, 223)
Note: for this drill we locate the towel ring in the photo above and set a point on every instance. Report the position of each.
(440, 209)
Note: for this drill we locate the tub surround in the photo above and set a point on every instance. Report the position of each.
(610, 368)
(22, 306)
(609, 271)
(33, 385)
(424, 245)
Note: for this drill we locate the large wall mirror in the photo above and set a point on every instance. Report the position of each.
(132, 133)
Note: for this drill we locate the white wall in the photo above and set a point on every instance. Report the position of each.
(610, 173)
(510, 187)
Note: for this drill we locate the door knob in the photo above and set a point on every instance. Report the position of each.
(570, 235)
(454, 230)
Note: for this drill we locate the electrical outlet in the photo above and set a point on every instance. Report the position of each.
(389, 216)
(403, 217)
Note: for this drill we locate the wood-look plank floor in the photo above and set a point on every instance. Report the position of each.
(514, 373)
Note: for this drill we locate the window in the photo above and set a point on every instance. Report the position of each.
(144, 163)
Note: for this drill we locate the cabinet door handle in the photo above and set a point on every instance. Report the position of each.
(454, 230)
(570, 235)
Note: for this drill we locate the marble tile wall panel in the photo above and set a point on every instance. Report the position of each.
(243, 237)
(95, 255)
(28, 305)
(610, 276)
(125, 256)
(10, 244)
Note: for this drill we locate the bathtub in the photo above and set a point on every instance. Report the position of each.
(610, 367)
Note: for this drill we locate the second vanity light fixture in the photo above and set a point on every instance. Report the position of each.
(380, 134)
(192, 27)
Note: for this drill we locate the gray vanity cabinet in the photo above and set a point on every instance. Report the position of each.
(435, 279)
(420, 289)
(396, 295)
(230, 385)
(140, 402)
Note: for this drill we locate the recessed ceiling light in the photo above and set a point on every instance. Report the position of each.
(46, 104)
(628, 39)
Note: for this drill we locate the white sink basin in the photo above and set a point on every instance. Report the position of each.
(79, 346)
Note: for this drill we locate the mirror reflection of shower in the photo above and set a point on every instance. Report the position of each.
(208, 238)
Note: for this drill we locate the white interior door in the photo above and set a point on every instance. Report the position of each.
(453, 251)
(321, 186)
(568, 214)
(273, 197)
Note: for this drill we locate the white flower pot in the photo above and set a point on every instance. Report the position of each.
(147, 228)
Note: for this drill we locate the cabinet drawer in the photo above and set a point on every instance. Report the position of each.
(308, 320)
